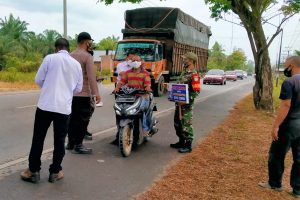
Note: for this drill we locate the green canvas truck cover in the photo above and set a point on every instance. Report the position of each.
(165, 22)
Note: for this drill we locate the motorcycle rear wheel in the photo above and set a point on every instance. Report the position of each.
(126, 140)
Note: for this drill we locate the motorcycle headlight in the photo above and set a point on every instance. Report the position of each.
(132, 111)
(118, 112)
(116, 107)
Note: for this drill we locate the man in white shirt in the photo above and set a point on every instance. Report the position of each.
(59, 76)
(125, 65)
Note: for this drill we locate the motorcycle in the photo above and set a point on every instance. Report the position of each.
(130, 118)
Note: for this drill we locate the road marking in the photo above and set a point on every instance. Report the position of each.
(29, 106)
(20, 160)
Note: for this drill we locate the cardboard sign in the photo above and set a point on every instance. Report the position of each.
(178, 93)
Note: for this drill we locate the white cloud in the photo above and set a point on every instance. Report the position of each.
(103, 21)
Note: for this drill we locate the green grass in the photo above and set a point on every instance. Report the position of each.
(276, 91)
(13, 76)
(105, 74)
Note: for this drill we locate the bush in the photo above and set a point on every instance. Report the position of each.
(11, 75)
(28, 64)
(104, 74)
(276, 90)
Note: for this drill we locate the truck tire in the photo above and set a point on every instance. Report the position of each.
(159, 88)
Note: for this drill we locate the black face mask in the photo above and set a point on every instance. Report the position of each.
(287, 72)
(91, 52)
(185, 65)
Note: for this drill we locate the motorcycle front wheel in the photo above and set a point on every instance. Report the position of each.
(126, 140)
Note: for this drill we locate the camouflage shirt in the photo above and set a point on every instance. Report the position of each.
(186, 78)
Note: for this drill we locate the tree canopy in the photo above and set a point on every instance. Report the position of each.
(109, 43)
(107, 2)
(254, 15)
(218, 60)
(23, 50)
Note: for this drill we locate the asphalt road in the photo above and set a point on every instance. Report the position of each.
(104, 174)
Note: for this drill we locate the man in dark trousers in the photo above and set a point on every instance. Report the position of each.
(83, 103)
(286, 131)
(59, 77)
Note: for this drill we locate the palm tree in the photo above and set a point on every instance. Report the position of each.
(13, 28)
(49, 37)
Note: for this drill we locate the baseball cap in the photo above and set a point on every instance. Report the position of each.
(191, 56)
(83, 36)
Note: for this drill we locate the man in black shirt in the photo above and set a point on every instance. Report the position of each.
(286, 130)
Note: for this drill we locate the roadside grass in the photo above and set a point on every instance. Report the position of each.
(17, 86)
(12, 80)
(227, 164)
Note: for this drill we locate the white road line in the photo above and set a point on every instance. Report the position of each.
(29, 106)
(20, 160)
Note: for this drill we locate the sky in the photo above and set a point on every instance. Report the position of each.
(102, 21)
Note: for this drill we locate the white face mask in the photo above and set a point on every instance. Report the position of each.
(129, 61)
(135, 64)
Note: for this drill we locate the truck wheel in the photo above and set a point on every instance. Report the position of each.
(159, 88)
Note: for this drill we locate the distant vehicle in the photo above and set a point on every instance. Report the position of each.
(239, 74)
(245, 74)
(231, 75)
(215, 76)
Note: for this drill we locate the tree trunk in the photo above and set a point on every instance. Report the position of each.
(263, 88)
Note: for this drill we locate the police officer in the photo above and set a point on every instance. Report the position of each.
(184, 112)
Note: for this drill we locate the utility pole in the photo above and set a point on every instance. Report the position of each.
(279, 58)
(288, 49)
(65, 19)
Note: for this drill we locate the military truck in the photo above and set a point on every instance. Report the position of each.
(161, 35)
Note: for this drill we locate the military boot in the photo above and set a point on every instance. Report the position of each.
(179, 144)
(187, 147)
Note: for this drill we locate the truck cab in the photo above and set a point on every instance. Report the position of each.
(151, 52)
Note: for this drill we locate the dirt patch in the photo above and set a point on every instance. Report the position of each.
(17, 86)
(228, 164)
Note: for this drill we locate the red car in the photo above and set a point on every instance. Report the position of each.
(231, 75)
(215, 76)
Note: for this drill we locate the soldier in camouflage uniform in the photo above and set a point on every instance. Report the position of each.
(183, 116)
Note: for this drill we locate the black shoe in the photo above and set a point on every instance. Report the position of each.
(178, 145)
(294, 194)
(115, 142)
(70, 146)
(80, 149)
(187, 147)
(185, 150)
(88, 136)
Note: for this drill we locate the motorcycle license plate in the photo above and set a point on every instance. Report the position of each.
(125, 99)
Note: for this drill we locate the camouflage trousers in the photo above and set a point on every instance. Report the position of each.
(184, 128)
